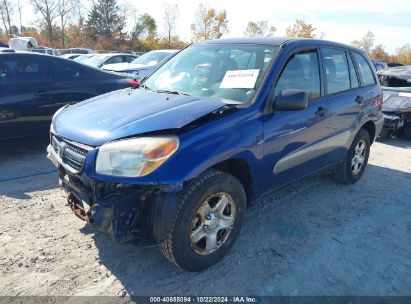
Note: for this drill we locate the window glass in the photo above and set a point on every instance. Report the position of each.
(129, 58)
(337, 75)
(116, 59)
(66, 71)
(230, 72)
(353, 75)
(23, 69)
(364, 70)
(301, 73)
(151, 58)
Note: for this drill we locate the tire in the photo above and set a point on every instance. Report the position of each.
(347, 172)
(192, 215)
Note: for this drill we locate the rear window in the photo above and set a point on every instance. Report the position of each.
(365, 71)
(72, 71)
(23, 69)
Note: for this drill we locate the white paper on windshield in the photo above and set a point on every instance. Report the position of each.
(402, 94)
(239, 79)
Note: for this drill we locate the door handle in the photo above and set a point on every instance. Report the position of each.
(321, 111)
(359, 99)
(41, 94)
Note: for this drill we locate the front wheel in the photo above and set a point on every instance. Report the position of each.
(207, 221)
(356, 159)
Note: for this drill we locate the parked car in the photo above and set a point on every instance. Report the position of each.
(379, 65)
(48, 51)
(70, 56)
(6, 50)
(23, 43)
(98, 60)
(82, 58)
(394, 64)
(142, 66)
(33, 86)
(80, 51)
(396, 85)
(177, 161)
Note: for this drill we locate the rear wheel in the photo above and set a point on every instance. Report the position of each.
(207, 221)
(356, 159)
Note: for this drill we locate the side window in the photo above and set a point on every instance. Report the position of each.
(365, 71)
(23, 69)
(66, 71)
(129, 58)
(337, 75)
(301, 73)
(353, 75)
(116, 59)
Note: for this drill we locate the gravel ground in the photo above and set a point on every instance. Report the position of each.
(316, 237)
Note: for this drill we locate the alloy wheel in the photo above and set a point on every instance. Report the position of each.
(212, 223)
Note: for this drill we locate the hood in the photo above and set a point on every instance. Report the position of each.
(123, 66)
(129, 112)
(401, 72)
(395, 101)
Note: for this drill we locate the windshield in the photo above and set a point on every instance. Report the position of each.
(232, 72)
(151, 58)
(82, 58)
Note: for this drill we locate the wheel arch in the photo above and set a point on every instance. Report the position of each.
(369, 126)
(240, 169)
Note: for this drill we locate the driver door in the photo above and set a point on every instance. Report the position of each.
(295, 142)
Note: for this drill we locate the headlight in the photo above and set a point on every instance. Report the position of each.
(135, 157)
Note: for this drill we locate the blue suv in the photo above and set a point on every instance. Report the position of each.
(176, 162)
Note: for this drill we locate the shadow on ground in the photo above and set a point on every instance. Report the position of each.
(316, 237)
(398, 142)
(25, 157)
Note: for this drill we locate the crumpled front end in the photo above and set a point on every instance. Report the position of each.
(126, 212)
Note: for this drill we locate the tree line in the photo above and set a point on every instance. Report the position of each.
(67, 23)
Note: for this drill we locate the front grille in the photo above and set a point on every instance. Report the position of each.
(70, 154)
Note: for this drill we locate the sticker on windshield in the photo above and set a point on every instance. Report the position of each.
(402, 94)
(240, 79)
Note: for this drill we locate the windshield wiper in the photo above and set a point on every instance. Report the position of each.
(171, 92)
(146, 87)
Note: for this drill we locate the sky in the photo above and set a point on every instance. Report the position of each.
(341, 21)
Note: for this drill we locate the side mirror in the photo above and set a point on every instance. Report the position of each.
(291, 100)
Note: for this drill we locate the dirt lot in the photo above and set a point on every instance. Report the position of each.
(316, 237)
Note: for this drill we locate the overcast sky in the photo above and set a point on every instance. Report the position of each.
(342, 21)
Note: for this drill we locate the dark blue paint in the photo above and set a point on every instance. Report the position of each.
(28, 103)
(259, 137)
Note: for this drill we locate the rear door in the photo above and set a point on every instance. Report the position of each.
(369, 83)
(343, 91)
(295, 141)
(24, 94)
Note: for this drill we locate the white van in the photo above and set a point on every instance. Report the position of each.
(23, 43)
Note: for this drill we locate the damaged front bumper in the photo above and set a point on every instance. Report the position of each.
(127, 213)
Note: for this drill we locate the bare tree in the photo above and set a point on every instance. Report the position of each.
(301, 29)
(6, 12)
(49, 11)
(209, 24)
(21, 23)
(366, 43)
(259, 29)
(65, 9)
(171, 13)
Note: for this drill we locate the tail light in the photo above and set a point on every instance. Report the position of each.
(133, 83)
